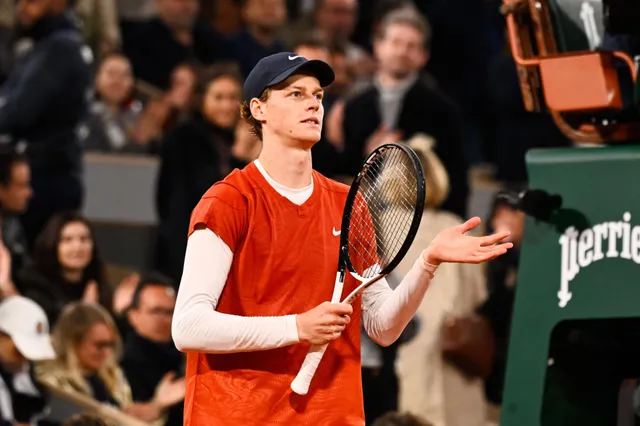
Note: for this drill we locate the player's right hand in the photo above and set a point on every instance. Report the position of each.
(323, 323)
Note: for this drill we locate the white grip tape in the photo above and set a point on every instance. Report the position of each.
(300, 384)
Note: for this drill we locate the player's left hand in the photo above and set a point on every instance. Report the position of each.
(455, 246)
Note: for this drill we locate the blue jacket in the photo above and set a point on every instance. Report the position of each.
(46, 96)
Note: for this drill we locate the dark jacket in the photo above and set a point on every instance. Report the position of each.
(53, 296)
(15, 240)
(194, 156)
(154, 52)
(424, 110)
(145, 363)
(45, 98)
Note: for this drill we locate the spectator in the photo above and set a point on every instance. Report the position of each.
(335, 21)
(263, 20)
(430, 386)
(194, 156)
(42, 104)
(87, 343)
(112, 120)
(401, 103)
(398, 419)
(24, 339)
(15, 193)
(149, 352)
(66, 267)
(158, 46)
(85, 420)
(326, 159)
(100, 25)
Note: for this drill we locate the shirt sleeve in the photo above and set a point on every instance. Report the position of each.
(386, 312)
(196, 324)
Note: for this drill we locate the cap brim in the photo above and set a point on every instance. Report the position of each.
(320, 69)
(35, 349)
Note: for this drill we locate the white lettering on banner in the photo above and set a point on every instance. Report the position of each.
(581, 249)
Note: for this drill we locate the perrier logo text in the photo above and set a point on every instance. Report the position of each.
(581, 249)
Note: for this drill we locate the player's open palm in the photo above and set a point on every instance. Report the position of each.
(455, 246)
(323, 323)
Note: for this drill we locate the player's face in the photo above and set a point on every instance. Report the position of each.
(28, 12)
(294, 111)
(96, 347)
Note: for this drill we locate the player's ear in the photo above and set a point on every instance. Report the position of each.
(257, 109)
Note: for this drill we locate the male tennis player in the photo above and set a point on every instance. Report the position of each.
(260, 267)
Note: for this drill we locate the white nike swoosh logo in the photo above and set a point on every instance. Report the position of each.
(291, 58)
(336, 233)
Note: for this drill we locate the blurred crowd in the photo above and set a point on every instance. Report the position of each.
(164, 78)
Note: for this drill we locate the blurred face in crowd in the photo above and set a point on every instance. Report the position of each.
(15, 195)
(313, 52)
(152, 318)
(180, 14)
(337, 18)
(183, 81)
(96, 347)
(400, 50)
(29, 12)
(507, 219)
(340, 66)
(114, 81)
(293, 111)
(76, 246)
(267, 15)
(221, 102)
(10, 357)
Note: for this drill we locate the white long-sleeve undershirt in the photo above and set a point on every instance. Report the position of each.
(197, 326)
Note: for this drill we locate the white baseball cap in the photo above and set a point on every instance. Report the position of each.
(27, 325)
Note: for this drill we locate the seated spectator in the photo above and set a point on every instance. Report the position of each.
(24, 339)
(42, 104)
(402, 103)
(66, 267)
(326, 159)
(112, 120)
(263, 20)
(429, 385)
(15, 193)
(100, 25)
(158, 46)
(85, 420)
(149, 352)
(398, 419)
(195, 155)
(87, 343)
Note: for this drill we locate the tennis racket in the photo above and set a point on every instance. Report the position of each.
(380, 220)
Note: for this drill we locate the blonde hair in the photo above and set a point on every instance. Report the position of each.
(245, 112)
(436, 177)
(71, 329)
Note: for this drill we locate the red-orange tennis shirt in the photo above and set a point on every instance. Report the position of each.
(285, 262)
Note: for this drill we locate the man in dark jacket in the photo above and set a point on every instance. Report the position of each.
(42, 103)
(149, 353)
(401, 103)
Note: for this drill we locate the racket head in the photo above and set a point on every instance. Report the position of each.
(391, 174)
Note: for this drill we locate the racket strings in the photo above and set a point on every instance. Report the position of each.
(383, 212)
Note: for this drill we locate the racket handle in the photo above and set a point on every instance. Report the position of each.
(300, 384)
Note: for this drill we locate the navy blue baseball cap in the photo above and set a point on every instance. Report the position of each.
(275, 69)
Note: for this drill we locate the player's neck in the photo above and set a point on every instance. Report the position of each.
(289, 166)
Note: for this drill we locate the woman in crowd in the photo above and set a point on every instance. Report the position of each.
(431, 385)
(114, 114)
(195, 155)
(66, 267)
(87, 344)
